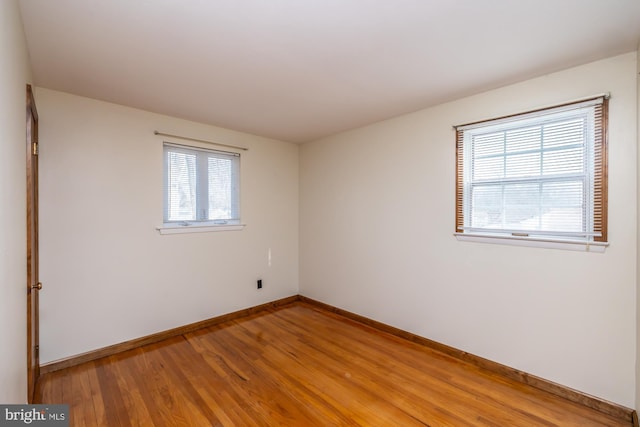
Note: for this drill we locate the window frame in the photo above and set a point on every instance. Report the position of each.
(202, 222)
(599, 188)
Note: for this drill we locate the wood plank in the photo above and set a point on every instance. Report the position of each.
(300, 364)
(468, 379)
(115, 408)
(601, 405)
(83, 407)
(97, 400)
(160, 336)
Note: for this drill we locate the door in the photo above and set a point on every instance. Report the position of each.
(33, 282)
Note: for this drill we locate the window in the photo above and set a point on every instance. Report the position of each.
(535, 176)
(201, 187)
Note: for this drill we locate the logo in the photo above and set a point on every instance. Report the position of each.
(36, 415)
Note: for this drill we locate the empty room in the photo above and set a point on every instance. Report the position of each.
(318, 213)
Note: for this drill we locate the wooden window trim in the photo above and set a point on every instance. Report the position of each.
(601, 164)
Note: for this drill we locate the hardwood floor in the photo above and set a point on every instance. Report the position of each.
(299, 365)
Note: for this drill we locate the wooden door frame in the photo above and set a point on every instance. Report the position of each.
(33, 356)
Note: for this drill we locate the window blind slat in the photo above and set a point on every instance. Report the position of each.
(182, 186)
(459, 180)
(200, 185)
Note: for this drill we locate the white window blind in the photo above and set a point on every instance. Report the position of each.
(201, 185)
(536, 174)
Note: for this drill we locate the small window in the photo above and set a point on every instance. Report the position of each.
(201, 187)
(538, 175)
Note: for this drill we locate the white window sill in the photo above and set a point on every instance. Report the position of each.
(569, 245)
(205, 228)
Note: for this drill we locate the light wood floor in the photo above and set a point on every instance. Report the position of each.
(299, 366)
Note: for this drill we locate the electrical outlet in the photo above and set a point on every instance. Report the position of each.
(259, 283)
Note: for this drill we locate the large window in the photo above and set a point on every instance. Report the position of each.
(201, 187)
(540, 175)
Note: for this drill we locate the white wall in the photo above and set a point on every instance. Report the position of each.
(109, 276)
(638, 263)
(377, 223)
(15, 72)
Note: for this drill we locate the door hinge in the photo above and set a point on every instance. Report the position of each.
(37, 351)
(34, 147)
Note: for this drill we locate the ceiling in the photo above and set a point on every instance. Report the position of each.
(299, 70)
